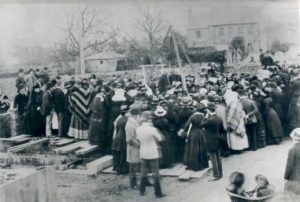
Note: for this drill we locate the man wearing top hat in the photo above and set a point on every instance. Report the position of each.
(213, 126)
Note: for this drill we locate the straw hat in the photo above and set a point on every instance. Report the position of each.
(119, 95)
(160, 111)
(186, 101)
(295, 134)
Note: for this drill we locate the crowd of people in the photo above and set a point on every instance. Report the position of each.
(151, 126)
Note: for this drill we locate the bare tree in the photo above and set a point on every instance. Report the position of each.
(85, 31)
(152, 25)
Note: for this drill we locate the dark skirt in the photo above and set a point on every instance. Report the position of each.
(274, 129)
(96, 131)
(66, 121)
(260, 131)
(119, 162)
(36, 123)
(195, 155)
(167, 149)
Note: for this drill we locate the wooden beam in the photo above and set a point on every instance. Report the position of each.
(100, 164)
(175, 171)
(179, 61)
(28, 145)
(186, 175)
(63, 142)
(71, 147)
(199, 174)
(86, 150)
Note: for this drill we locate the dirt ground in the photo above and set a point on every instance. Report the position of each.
(269, 161)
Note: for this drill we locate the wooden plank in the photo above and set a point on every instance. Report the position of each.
(18, 137)
(28, 145)
(15, 138)
(108, 170)
(100, 164)
(163, 171)
(175, 171)
(199, 174)
(63, 142)
(71, 147)
(21, 141)
(186, 175)
(86, 150)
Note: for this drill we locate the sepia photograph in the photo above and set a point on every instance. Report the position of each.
(149, 100)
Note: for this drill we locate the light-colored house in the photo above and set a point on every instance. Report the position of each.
(103, 62)
(217, 26)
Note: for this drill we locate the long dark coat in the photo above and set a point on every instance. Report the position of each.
(97, 133)
(195, 155)
(173, 120)
(35, 119)
(66, 118)
(119, 146)
(183, 116)
(213, 127)
(276, 95)
(273, 125)
(167, 148)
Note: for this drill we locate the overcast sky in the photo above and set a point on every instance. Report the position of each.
(41, 24)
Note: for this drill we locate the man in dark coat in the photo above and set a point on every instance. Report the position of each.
(213, 126)
(292, 171)
(20, 81)
(58, 100)
(47, 107)
(20, 103)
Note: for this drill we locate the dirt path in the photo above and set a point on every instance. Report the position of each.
(269, 161)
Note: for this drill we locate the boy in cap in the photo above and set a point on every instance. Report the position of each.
(149, 137)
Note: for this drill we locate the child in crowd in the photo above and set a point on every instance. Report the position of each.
(263, 187)
(237, 180)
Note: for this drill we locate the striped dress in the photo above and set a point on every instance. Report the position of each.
(80, 107)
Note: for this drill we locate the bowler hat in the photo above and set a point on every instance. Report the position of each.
(211, 106)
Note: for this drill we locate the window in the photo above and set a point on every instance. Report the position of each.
(221, 31)
(198, 33)
(240, 30)
(101, 62)
(250, 29)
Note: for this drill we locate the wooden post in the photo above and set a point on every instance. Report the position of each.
(190, 62)
(179, 61)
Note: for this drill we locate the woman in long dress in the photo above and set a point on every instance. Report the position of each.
(97, 132)
(237, 138)
(161, 122)
(195, 155)
(80, 103)
(273, 125)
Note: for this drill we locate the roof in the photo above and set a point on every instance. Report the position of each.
(105, 56)
(204, 17)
